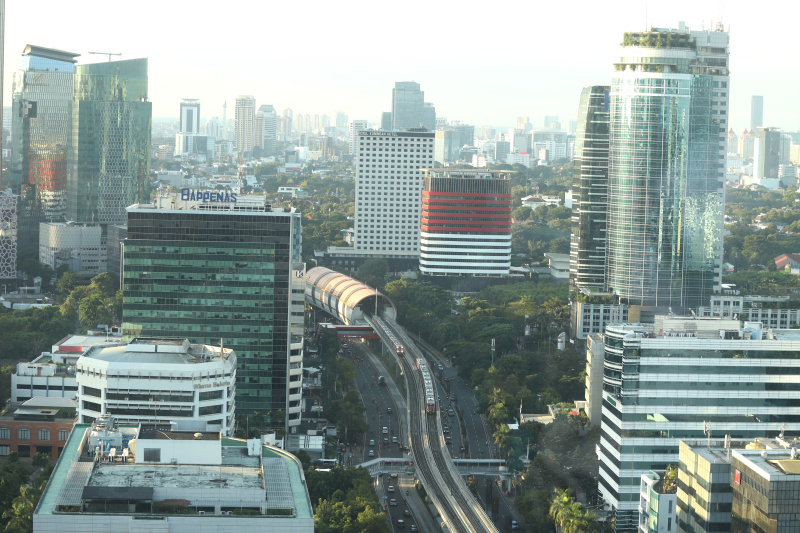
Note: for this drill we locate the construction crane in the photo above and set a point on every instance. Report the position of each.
(109, 54)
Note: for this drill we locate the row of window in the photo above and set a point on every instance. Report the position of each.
(25, 434)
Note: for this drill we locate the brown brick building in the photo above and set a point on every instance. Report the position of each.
(40, 425)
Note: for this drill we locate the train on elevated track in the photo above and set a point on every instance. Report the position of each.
(399, 350)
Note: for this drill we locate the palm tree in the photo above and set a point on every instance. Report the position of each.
(560, 507)
(20, 515)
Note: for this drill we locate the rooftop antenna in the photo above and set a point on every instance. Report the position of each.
(109, 54)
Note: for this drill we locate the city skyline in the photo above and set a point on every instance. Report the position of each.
(360, 84)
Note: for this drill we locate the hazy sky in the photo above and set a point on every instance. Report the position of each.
(478, 62)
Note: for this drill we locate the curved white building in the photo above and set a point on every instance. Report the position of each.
(166, 380)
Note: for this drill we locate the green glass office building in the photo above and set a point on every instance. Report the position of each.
(109, 167)
(219, 272)
(669, 100)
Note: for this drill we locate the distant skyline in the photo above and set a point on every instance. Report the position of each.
(482, 66)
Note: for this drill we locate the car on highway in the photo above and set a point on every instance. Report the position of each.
(414, 528)
(453, 396)
(393, 475)
(372, 453)
(401, 523)
(440, 367)
(385, 430)
(389, 410)
(514, 525)
(390, 488)
(394, 440)
(393, 502)
(451, 412)
(372, 442)
(407, 512)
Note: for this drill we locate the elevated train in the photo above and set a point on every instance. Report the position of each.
(430, 395)
(399, 349)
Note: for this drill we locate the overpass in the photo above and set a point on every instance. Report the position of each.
(465, 467)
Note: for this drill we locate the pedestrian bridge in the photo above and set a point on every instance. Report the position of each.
(465, 467)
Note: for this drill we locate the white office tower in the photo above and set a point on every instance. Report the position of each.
(267, 123)
(355, 127)
(389, 191)
(159, 380)
(79, 246)
(190, 115)
(245, 121)
(213, 128)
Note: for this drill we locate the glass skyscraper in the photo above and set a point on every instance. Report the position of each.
(590, 191)
(109, 167)
(41, 126)
(408, 106)
(219, 271)
(668, 124)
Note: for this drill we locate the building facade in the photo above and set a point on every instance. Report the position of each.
(38, 425)
(190, 116)
(355, 127)
(408, 106)
(110, 153)
(41, 131)
(389, 191)
(164, 379)
(8, 235)
(267, 133)
(767, 154)
(466, 222)
(79, 246)
(756, 112)
(667, 167)
(704, 487)
(217, 270)
(587, 252)
(657, 503)
(245, 124)
(664, 382)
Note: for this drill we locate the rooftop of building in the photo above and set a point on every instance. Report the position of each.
(275, 473)
(705, 327)
(467, 173)
(212, 201)
(776, 464)
(153, 432)
(161, 351)
(41, 409)
(50, 53)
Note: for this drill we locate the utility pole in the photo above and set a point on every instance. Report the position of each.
(492, 352)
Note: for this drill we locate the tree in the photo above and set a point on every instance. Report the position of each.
(20, 515)
(94, 310)
(523, 212)
(67, 282)
(373, 272)
(561, 507)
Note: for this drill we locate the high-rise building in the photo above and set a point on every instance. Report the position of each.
(667, 167)
(408, 105)
(429, 116)
(466, 222)
(767, 154)
(109, 167)
(213, 128)
(733, 142)
(355, 127)
(552, 122)
(747, 142)
(268, 130)
(341, 119)
(79, 246)
(756, 112)
(245, 122)
(217, 269)
(190, 115)
(446, 145)
(386, 121)
(666, 381)
(41, 129)
(587, 252)
(389, 190)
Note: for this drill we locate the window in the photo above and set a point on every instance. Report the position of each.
(4, 450)
(24, 434)
(152, 455)
(44, 434)
(5, 433)
(63, 435)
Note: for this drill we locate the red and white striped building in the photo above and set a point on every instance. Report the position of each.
(466, 222)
